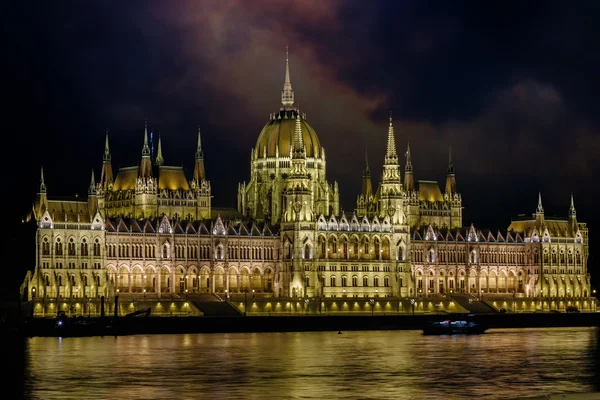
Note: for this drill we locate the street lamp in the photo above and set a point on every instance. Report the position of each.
(227, 294)
(481, 294)
(372, 301)
(412, 303)
(450, 294)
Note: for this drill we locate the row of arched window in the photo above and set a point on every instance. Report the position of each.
(59, 247)
(333, 281)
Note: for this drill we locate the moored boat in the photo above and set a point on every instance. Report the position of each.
(457, 326)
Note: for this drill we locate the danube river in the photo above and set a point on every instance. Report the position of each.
(500, 364)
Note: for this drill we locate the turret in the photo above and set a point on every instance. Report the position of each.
(409, 180)
(92, 199)
(146, 164)
(539, 212)
(42, 199)
(199, 174)
(450, 178)
(572, 216)
(159, 157)
(390, 198)
(106, 176)
(287, 95)
(367, 188)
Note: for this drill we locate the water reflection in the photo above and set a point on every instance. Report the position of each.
(368, 365)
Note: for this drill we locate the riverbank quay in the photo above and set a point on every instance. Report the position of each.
(47, 327)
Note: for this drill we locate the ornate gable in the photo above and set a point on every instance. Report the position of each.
(165, 226)
(376, 226)
(243, 230)
(255, 231)
(219, 228)
(202, 229)
(354, 225)
(430, 234)
(189, 229)
(365, 226)
(46, 221)
(148, 228)
(231, 230)
(333, 223)
(343, 225)
(135, 227)
(122, 226)
(97, 224)
(321, 223)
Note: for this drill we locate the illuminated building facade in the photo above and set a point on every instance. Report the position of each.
(151, 231)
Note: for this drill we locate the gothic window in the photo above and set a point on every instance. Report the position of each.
(334, 245)
(570, 258)
(578, 258)
(322, 247)
(344, 281)
(377, 249)
(553, 257)
(332, 281)
(60, 281)
(307, 251)
(562, 257)
(473, 257)
(345, 248)
(355, 247)
(45, 247)
(307, 281)
(354, 281)
(376, 281)
(84, 248)
(386, 281)
(431, 256)
(58, 248)
(165, 252)
(71, 247)
(366, 247)
(545, 258)
(219, 252)
(365, 281)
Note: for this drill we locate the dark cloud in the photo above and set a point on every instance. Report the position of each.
(511, 86)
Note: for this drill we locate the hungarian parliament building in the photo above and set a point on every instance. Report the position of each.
(150, 229)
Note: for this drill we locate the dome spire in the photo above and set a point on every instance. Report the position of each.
(391, 154)
(287, 95)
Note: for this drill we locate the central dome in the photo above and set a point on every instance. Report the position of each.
(279, 131)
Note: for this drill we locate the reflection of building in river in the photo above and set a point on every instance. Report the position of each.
(152, 231)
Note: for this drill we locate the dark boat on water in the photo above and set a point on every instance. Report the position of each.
(453, 326)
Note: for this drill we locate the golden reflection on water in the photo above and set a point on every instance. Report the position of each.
(501, 364)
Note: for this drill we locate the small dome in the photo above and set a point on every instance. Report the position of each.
(280, 131)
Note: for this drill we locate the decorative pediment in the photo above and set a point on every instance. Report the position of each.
(376, 226)
(255, 231)
(122, 226)
(481, 237)
(135, 227)
(165, 226)
(546, 236)
(518, 238)
(472, 236)
(450, 237)
(364, 225)
(439, 236)
(535, 237)
(417, 236)
(343, 224)
(97, 224)
(46, 221)
(189, 229)
(231, 230)
(385, 225)
(219, 228)
(321, 223)
(148, 228)
(243, 230)
(202, 229)
(490, 237)
(333, 223)
(267, 231)
(459, 237)
(578, 237)
(509, 237)
(354, 225)
(430, 234)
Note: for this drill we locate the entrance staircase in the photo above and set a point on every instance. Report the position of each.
(213, 305)
(473, 304)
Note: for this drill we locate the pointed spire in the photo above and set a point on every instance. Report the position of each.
(367, 171)
(299, 150)
(42, 183)
(199, 154)
(572, 211)
(450, 166)
(159, 157)
(92, 188)
(106, 149)
(408, 160)
(146, 149)
(391, 142)
(540, 209)
(287, 95)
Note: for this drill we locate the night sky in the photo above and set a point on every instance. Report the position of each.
(511, 86)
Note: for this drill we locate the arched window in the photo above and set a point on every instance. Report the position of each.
(334, 245)
(307, 282)
(165, 252)
(400, 253)
(332, 280)
(365, 281)
(58, 248)
(71, 247)
(84, 248)
(354, 281)
(386, 281)
(376, 281)
(307, 251)
(45, 247)
(219, 252)
(344, 281)
(377, 249)
(47, 280)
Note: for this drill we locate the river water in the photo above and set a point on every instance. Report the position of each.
(500, 364)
